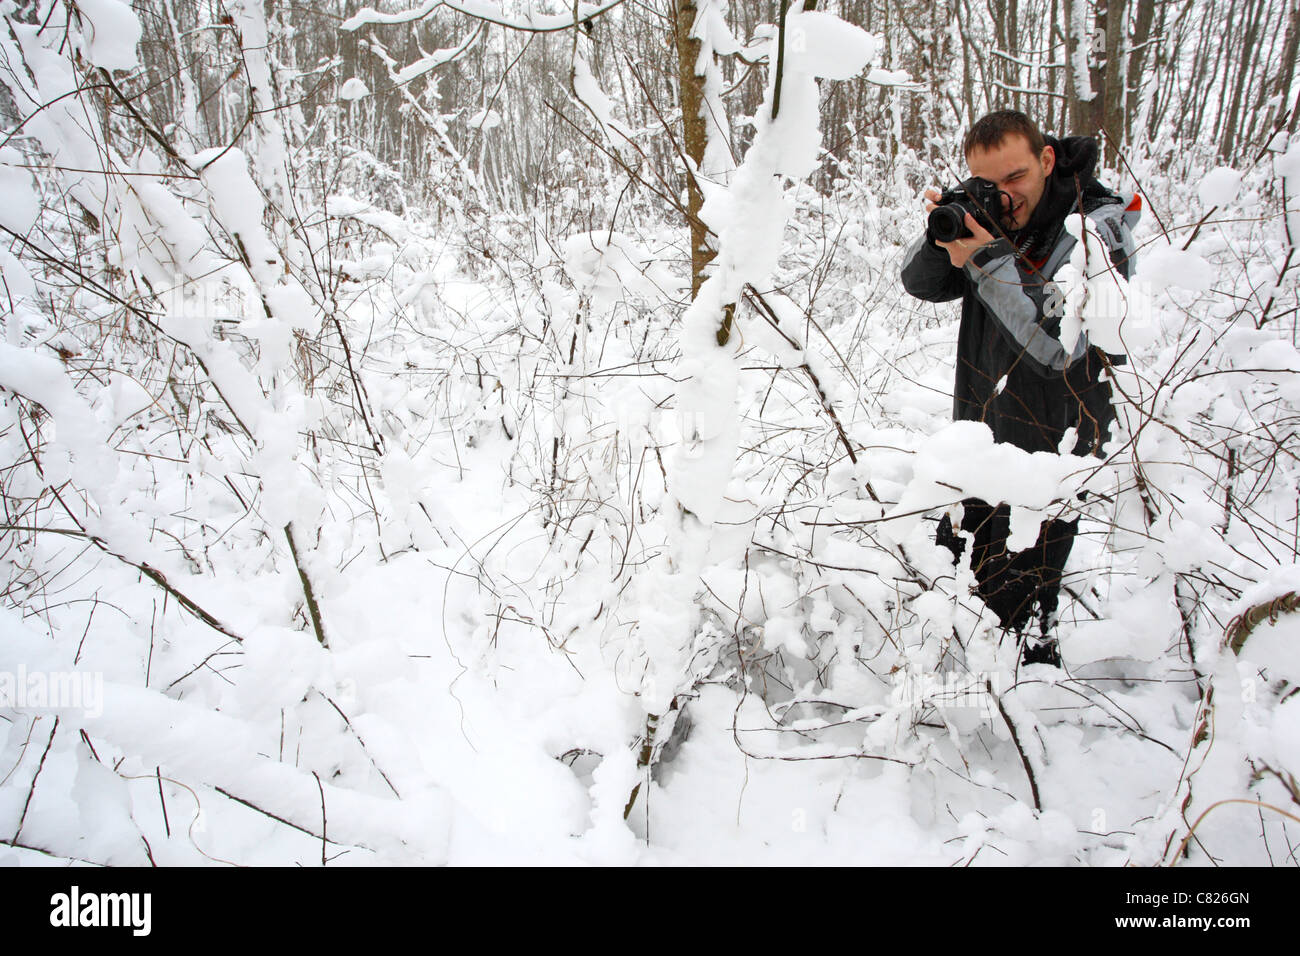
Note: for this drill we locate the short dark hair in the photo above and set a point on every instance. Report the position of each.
(992, 128)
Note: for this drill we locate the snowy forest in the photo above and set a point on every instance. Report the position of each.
(495, 432)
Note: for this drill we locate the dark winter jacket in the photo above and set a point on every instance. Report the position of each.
(1012, 371)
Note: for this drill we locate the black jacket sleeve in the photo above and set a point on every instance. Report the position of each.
(928, 273)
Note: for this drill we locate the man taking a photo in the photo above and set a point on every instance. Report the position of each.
(1013, 373)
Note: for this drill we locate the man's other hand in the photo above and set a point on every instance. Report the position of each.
(959, 250)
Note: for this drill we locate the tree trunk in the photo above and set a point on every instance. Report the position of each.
(1282, 85)
(1146, 12)
(1233, 122)
(1113, 101)
(1052, 122)
(694, 136)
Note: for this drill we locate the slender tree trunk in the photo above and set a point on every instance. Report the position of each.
(1282, 82)
(1146, 12)
(1233, 122)
(694, 135)
(1081, 101)
(1052, 121)
(1115, 72)
(1014, 73)
(1211, 81)
(981, 61)
(1253, 117)
(967, 76)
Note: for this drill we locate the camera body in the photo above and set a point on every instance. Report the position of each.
(979, 197)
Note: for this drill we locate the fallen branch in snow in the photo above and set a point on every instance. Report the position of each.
(369, 755)
(31, 791)
(1182, 847)
(1241, 626)
(144, 568)
(15, 844)
(313, 609)
(142, 314)
(324, 841)
(277, 818)
(1015, 739)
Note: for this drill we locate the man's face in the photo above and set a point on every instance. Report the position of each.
(1015, 169)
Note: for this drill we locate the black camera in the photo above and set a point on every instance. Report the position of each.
(979, 197)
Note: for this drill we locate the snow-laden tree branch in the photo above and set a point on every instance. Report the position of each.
(531, 20)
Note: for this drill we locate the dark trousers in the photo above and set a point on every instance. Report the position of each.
(1016, 586)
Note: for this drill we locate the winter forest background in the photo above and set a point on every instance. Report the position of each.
(493, 431)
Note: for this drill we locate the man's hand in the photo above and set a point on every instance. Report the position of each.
(959, 250)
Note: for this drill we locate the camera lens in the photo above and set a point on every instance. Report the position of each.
(947, 223)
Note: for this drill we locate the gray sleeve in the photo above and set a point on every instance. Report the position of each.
(1116, 228)
(1028, 310)
(1025, 309)
(928, 273)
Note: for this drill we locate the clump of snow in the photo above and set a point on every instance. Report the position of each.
(1219, 186)
(484, 120)
(81, 436)
(1097, 296)
(1286, 735)
(238, 205)
(1163, 265)
(290, 303)
(21, 206)
(961, 460)
(22, 314)
(883, 77)
(821, 44)
(593, 97)
(353, 89)
(1288, 164)
(606, 266)
(716, 40)
(110, 31)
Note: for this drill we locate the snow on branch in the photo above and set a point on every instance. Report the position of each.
(437, 58)
(531, 20)
(371, 15)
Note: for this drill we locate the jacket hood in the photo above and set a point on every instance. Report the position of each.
(1075, 156)
(1072, 186)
